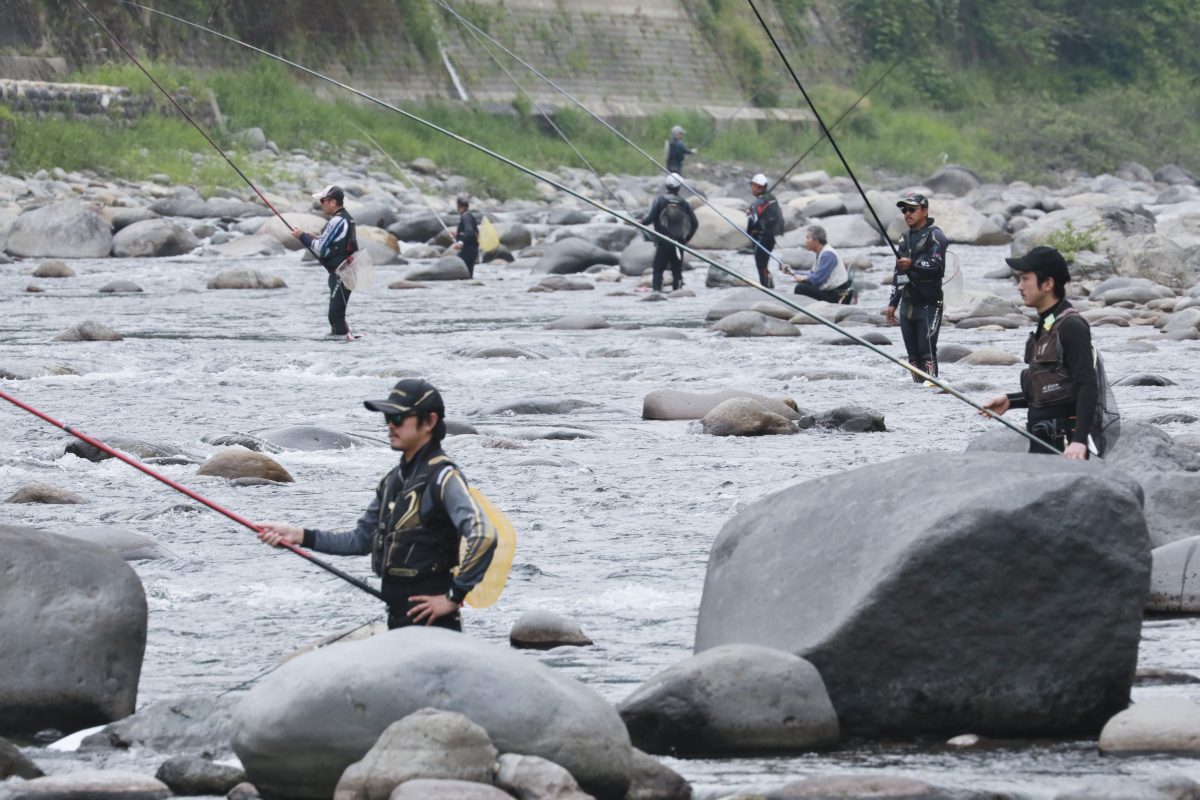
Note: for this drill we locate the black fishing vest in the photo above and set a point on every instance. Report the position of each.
(1046, 381)
(921, 288)
(762, 221)
(415, 538)
(340, 250)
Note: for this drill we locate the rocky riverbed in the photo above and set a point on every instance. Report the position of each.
(114, 321)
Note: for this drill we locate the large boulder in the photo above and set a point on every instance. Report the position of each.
(1167, 725)
(740, 416)
(1157, 258)
(311, 437)
(188, 776)
(300, 727)
(982, 611)
(964, 225)
(1175, 578)
(735, 698)
(69, 229)
(416, 226)
(954, 179)
(573, 255)
(605, 235)
(637, 258)
(74, 632)
(237, 463)
(668, 404)
(851, 230)
(715, 231)
(1171, 502)
(153, 238)
(188, 724)
(753, 323)
(245, 279)
(753, 300)
(446, 268)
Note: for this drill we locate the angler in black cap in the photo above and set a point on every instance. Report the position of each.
(917, 285)
(1060, 385)
(337, 241)
(413, 527)
(466, 235)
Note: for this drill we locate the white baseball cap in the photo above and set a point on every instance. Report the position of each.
(760, 180)
(674, 180)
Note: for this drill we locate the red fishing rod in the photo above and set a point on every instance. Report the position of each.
(238, 518)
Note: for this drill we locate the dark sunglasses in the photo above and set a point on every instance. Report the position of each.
(395, 419)
(909, 209)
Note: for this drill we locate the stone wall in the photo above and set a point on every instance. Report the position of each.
(44, 98)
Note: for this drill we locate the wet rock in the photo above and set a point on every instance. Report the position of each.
(245, 440)
(78, 666)
(638, 258)
(1145, 379)
(89, 331)
(190, 776)
(403, 284)
(561, 283)
(260, 244)
(44, 493)
(578, 322)
(951, 353)
(874, 337)
(34, 289)
(446, 268)
(417, 226)
(851, 419)
(564, 406)
(536, 778)
(1171, 500)
(567, 216)
(426, 788)
(963, 224)
(669, 404)
(235, 463)
(1157, 676)
(500, 351)
(880, 584)
(14, 763)
(109, 784)
(128, 545)
(1175, 578)
(354, 691)
(53, 269)
(991, 323)
(653, 780)
(733, 699)
(541, 630)
(456, 428)
(753, 323)
(1174, 175)
(1169, 725)
(245, 279)
(138, 448)
(664, 334)
(605, 235)
(989, 305)
(120, 287)
(428, 743)
(954, 179)
(243, 791)
(851, 230)
(715, 232)
(67, 229)
(744, 417)
(312, 437)
(573, 255)
(747, 300)
(554, 434)
(1141, 292)
(874, 786)
(120, 218)
(989, 357)
(190, 724)
(154, 238)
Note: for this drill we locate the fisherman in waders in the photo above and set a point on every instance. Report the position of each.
(828, 280)
(677, 150)
(917, 284)
(336, 242)
(673, 217)
(412, 528)
(466, 235)
(764, 223)
(1060, 385)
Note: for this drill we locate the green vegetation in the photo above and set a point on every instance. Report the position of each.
(1069, 241)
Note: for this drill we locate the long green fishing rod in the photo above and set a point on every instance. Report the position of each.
(479, 32)
(787, 301)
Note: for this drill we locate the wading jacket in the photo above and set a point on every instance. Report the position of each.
(337, 242)
(927, 249)
(421, 511)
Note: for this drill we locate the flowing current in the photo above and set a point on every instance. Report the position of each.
(615, 515)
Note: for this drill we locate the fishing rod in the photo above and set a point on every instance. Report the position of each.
(546, 116)
(479, 32)
(786, 300)
(407, 180)
(239, 519)
(824, 129)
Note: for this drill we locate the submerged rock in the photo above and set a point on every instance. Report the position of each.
(89, 331)
(741, 416)
(236, 463)
(189, 724)
(53, 269)
(541, 630)
(245, 279)
(44, 493)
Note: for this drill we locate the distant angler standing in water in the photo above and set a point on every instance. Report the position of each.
(467, 234)
(677, 150)
(337, 241)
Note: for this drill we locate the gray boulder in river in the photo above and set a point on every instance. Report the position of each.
(74, 632)
(737, 698)
(1000, 594)
(302, 725)
(69, 229)
(573, 255)
(153, 238)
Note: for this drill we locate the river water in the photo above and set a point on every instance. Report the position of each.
(615, 526)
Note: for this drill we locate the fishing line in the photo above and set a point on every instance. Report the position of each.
(735, 226)
(407, 180)
(787, 301)
(199, 498)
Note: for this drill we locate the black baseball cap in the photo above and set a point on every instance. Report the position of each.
(410, 396)
(913, 199)
(1045, 261)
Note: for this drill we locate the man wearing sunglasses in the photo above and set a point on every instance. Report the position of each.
(916, 300)
(421, 512)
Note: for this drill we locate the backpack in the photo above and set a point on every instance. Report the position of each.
(673, 220)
